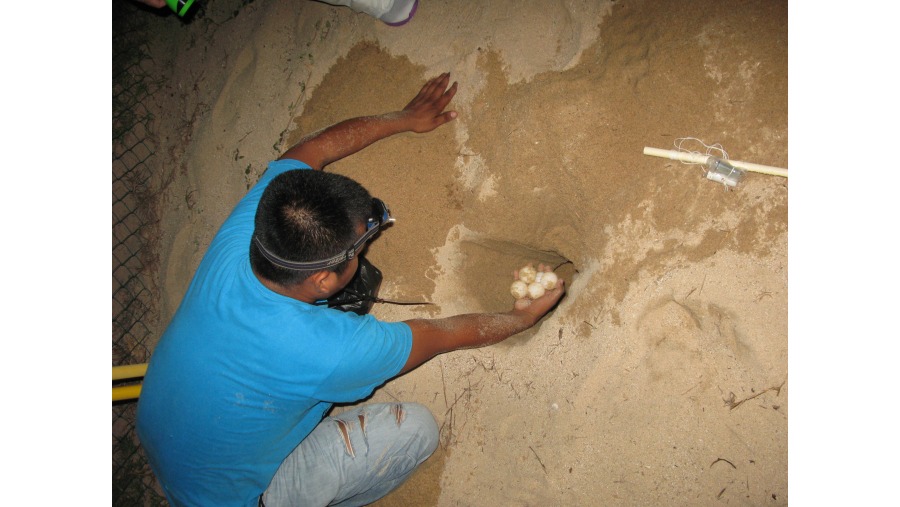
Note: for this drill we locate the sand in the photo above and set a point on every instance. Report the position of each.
(661, 378)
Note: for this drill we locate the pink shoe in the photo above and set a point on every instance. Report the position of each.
(400, 13)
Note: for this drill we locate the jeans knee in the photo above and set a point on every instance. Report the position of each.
(424, 424)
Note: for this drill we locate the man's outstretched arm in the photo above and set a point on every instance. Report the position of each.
(436, 336)
(423, 114)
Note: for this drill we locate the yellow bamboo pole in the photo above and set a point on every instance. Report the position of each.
(129, 371)
(126, 392)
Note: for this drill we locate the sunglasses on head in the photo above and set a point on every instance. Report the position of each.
(379, 217)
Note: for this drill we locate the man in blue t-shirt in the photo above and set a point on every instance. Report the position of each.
(232, 409)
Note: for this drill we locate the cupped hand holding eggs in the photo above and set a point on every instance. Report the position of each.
(532, 283)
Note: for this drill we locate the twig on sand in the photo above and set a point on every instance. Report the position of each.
(538, 458)
(444, 383)
(735, 404)
(725, 460)
(449, 418)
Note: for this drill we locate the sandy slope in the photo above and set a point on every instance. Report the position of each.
(662, 377)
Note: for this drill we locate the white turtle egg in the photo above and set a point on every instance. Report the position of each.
(548, 281)
(519, 289)
(527, 274)
(535, 290)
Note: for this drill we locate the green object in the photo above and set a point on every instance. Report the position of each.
(180, 6)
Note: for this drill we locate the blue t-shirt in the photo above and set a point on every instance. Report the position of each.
(242, 374)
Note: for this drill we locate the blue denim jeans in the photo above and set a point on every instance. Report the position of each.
(356, 457)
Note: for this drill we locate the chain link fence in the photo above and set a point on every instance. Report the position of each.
(139, 178)
(134, 229)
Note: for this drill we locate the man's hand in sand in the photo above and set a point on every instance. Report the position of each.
(537, 308)
(426, 112)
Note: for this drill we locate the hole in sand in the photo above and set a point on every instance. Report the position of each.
(489, 265)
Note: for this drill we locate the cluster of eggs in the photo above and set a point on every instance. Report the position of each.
(533, 283)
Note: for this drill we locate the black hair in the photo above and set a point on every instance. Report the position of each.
(305, 216)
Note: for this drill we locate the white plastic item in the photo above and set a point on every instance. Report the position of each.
(699, 158)
(723, 172)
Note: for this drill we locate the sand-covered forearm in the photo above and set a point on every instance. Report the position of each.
(423, 114)
(478, 329)
(346, 138)
(437, 336)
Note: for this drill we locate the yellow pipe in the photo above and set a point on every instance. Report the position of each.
(129, 371)
(126, 392)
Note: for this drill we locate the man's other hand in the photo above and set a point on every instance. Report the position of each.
(426, 111)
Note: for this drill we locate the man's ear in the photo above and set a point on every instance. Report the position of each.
(321, 281)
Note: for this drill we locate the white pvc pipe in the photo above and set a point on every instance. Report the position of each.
(697, 158)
